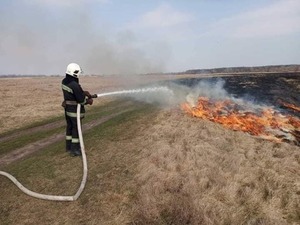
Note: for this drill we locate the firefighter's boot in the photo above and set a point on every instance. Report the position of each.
(76, 152)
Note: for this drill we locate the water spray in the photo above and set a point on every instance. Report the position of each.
(84, 159)
(134, 91)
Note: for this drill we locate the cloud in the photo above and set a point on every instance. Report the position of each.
(64, 3)
(165, 23)
(163, 16)
(280, 18)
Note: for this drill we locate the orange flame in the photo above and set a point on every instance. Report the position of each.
(291, 106)
(268, 123)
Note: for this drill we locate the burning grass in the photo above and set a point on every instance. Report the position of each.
(290, 106)
(264, 122)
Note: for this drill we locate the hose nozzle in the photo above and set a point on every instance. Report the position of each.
(94, 96)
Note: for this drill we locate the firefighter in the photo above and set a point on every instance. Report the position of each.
(73, 95)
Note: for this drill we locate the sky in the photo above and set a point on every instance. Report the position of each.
(132, 37)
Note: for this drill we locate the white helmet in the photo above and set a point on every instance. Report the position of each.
(73, 70)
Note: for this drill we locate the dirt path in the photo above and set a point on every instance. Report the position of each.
(39, 145)
(47, 126)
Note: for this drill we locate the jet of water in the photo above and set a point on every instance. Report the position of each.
(140, 90)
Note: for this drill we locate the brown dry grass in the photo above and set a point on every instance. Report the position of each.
(196, 172)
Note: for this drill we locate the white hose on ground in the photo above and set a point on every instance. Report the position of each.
(57, 197)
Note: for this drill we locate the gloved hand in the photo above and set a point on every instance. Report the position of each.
(89, 101)
(63, 104)
(87, 94)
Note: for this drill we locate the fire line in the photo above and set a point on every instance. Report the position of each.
(266, 123)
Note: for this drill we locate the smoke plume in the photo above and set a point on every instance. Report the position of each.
(213, 90)
(32, 42)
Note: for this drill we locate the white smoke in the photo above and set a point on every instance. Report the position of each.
(215, 91)
(207, 89)
(32, 43)
(173, 94)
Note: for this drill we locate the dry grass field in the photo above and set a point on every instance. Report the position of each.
(197, 172)
(147, 165)
(32, 99)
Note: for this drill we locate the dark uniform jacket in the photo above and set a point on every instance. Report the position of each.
(73, 94)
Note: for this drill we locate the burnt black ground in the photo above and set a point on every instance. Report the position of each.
(267, 89)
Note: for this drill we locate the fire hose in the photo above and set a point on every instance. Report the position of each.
(84, 159)
(57, 197)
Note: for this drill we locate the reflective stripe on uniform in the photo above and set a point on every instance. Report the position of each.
(68, 138)
(75, 140)
(71, 102)
(72, 114)
(66, 88)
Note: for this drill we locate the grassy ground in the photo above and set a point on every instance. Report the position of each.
(110, 187)
(25, 137)
(153, 166)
